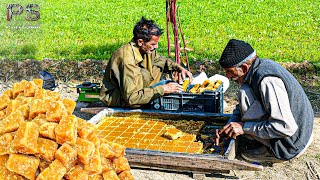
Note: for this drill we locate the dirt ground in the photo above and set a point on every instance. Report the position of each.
(304, 167)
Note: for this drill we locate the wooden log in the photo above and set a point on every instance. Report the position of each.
(205, 163)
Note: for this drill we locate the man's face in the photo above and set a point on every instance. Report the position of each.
(148, 47)
(236, 74)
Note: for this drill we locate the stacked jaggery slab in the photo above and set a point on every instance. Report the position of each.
(151, 134)
(41, 139)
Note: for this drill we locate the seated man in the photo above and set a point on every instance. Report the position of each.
(135, 68)
(273, 108)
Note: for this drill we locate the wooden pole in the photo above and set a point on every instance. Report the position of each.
(184, 43)
(175, 31)
(168, 4)
(173, 12)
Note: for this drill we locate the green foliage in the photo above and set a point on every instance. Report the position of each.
(76, 30)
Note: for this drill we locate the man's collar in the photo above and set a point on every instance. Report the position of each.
(136, 53)
(252, 70)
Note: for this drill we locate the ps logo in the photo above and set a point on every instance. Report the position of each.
(32, 11)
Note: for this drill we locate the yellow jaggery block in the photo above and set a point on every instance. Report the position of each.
(77, 173)
(95, 177)
(13, 106)
(39, 119)
(188, 137)
(11, 123)
(37, 107)
(40, 116)
(94, 138)
(185, 84)
(38, 82)
(3, 114)
(8, 92)
(55, 110)
(47, 129)
(23, 164)
(69, 105)
(106, 150)
(3, 160)
(55, 171)
(30, 89)
(5, 143)
(195, 88)
(25, 140)
(117, 148)
(25, 110)
(110, 175)
(85, 150)
(47, 149)
(23, 99)
(84, 129)
(5, 174)
(215, 87)
(211, 88)
(195, 147)
(218, 83)
(211, 84)
(172, 133)
(40, 94)
(205, 83)
(18, 88)
(67, 155)
(52, 95)
(106, 164)
(126, 175)
(4, 99)
(121, 164)
(94, 166)
(200, 90)
(66, 130)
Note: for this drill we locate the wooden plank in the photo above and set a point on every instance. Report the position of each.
(206, 163)
(94, 110)
(199, 116)
(169, 169)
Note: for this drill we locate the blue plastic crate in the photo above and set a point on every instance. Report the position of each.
(208, 101)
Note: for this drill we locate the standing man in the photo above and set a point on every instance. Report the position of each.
(135, 68)
(273, 108)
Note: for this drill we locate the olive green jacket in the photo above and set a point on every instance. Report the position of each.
(128, 77)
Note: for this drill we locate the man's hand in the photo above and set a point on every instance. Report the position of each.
(185, 73)
(233, 129)
(172, 87)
